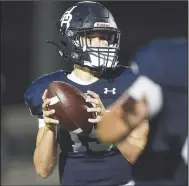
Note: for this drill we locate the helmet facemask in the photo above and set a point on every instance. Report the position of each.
(99, 47)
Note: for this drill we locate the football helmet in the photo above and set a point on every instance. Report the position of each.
(82, 20)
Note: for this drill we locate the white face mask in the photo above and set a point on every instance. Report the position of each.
(101, 56)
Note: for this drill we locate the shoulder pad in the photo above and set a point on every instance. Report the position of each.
(119, 71)
(125, 77)
(113, 73)
(123, 73)
(164, 61)
(33, 95)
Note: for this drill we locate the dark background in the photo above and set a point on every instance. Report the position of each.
(25, 56)
(139, 22)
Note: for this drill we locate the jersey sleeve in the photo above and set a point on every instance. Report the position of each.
(33, 95)
(33, 98)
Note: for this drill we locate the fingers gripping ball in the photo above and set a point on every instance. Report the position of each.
(70, 107)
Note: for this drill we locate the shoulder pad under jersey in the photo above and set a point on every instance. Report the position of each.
(33, 95)
(164, 61)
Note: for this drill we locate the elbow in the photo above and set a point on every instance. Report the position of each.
(44, 171)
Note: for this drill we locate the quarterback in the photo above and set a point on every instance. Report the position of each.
(90, 41)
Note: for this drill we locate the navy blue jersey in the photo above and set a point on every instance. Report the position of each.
(166, 63)
(83, 160)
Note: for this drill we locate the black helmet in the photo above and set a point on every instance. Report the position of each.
(81, 20)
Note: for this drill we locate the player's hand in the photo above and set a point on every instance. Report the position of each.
(124, 115)
(47, 113)
(98, 106)
(134, 111)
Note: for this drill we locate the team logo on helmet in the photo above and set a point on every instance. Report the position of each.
(67, 17)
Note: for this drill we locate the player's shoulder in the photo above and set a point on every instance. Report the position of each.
(121, 72)
(161, 48)
(151, 52)
(122, 80)
(115, 75)
(41, 83)
(177, 63)
(33, 95)
(163, 60)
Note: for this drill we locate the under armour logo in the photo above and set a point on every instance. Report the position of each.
(113, 91)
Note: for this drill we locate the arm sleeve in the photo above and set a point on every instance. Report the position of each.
(33, 99)
(33, 95)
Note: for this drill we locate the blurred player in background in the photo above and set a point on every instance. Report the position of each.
(158, 92)
(89, 40)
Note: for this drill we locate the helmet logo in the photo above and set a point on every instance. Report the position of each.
(67, 17)
(102, 24)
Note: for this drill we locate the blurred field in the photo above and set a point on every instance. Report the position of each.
(18, 132)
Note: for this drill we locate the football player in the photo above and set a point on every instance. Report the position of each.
(158, 92)
(90, 40)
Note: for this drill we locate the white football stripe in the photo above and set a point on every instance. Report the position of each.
(54, 100)
(77, 131)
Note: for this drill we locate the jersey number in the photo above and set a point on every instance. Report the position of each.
(90, 144)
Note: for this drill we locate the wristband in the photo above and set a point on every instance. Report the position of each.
(41, 124)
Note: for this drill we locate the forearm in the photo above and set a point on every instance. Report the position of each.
(133, 145)
(45, 155)
(112, 127)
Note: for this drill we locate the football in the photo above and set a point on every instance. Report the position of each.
(70, 107)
